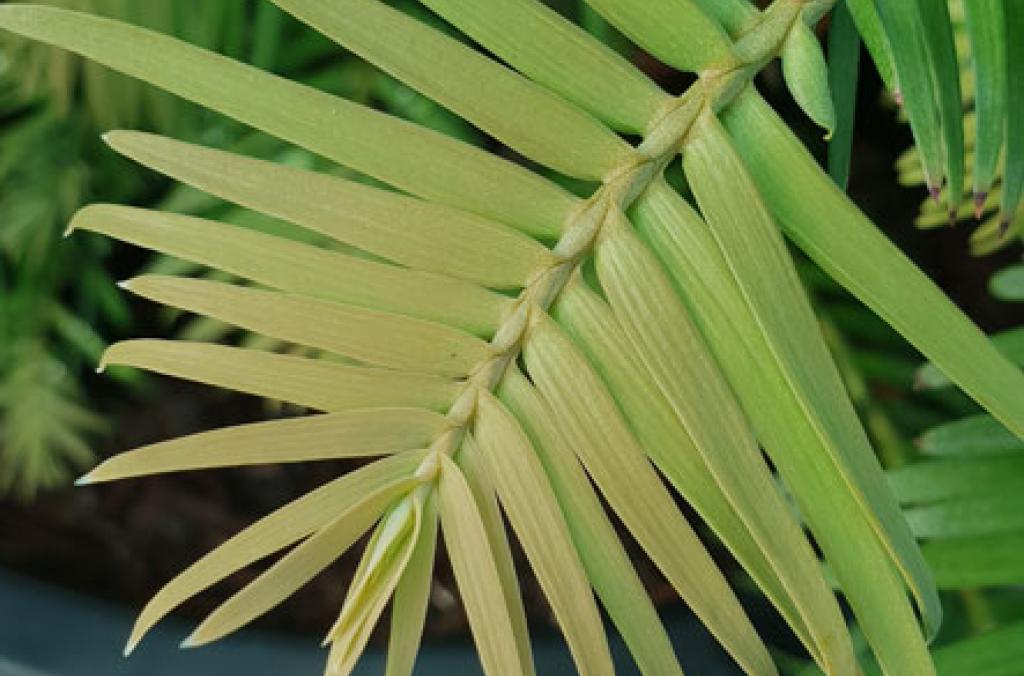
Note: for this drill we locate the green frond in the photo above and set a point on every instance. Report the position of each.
(469, 330)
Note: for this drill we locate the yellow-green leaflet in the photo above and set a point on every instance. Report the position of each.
(618, 465)
(833, 232)
(851, 545)
(412, 595)
(475, 572)
(383, 562)
(278, 530)
(294, 569)
(367, 335)
(677, 32)
(756, 255)
(609, 568)
(474, 469)
(410, 157)
(300, 268)
(806, 73)
(533, 511)
(315, 383)
(560, 55)
(590, 322)
(523, 115)
(409, 231)
(353, 434)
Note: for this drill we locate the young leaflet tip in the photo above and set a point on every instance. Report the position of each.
(979, 204)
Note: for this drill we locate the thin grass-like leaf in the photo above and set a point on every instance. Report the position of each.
(353, 434)
(367, 335)
(677, 32)
(608, 566)
(408, 156)
(294, 569)
(986, 27)
(526, 117)
(315, 383)
(300, 268)
(534, 513)
(869, 25)
(408, 231)
(558, 54)
(941, 48)
(615, 460)
(278, 530)
(476, 574)
(995, 512)
(948, 478)
(1013, 175)
(918, 84)
(843, 75)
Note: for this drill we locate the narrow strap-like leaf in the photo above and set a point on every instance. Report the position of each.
(523, 115)
(278, 530)
(618, 465)
(947, 478)
(300, 268)
(869, 25)
(756, 254)
(608, 566)
(475, 572)
(315, 383)
(367, 335)
(406, 155)
(294, 569)
(478, 477)
(352, 434)
(1013, 176)
(905, 28)
(678, 32)
(993, 512)
(561, 56)
(986, 28)
(984, 561)
(836, 235)
(941, 47)
(843, 75)
(406, 230)
(533, 511)
(412, 596)
(658, 329)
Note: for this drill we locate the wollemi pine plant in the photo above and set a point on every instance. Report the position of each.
(495, 377)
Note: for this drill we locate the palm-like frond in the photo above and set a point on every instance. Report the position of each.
(508, 377)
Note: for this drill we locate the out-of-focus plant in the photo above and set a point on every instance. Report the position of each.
(512, 347)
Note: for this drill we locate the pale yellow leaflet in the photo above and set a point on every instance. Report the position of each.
(608, 566)
(410, 231)
(476, 574)
(353, 434)
(369, 336)
(618, 465)
(523, 115)
(316, 383)
(300, 268)
(533, 511)
(278, 530)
